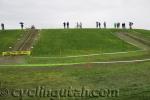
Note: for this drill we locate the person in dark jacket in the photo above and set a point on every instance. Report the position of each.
(64, 25)
(105, 25)
(67, 25)
(80, 25)
(123, 25)
(130, 25)
(22, 25)
(118, 25)
(99, 25)
(3, 26)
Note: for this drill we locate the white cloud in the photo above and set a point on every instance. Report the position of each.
(51, 13)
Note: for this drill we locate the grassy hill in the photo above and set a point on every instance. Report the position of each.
(59, 42)
(130, 78)
(8, 38)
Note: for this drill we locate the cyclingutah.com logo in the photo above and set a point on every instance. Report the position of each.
(3, 91)
(68, 92)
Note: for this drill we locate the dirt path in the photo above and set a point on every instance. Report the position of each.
(134, 40)
(24, 44)
(27, 41)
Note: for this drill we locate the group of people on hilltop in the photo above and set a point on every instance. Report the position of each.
(79, 25)
(3, 25)
(118, 25)
(131, 24)
(66, 25)
(98, 24)
(21, 24)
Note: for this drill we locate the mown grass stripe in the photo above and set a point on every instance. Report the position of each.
(89, 55)
(81, 63)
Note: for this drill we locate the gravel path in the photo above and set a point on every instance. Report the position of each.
(134, 40)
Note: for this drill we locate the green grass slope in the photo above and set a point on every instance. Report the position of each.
(8, 38)
(132, 79)
(59, 42)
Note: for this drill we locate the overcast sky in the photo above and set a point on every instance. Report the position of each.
(52, 13)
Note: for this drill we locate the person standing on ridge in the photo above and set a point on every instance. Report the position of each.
(105, 25)
(118, 25)
(99, 25)
(22, 25)
(77, 25)
(3, 26)
(130, 25)
(115, 25)
(64, 24)
(67, 25)
(123, 25)
(80, 25)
